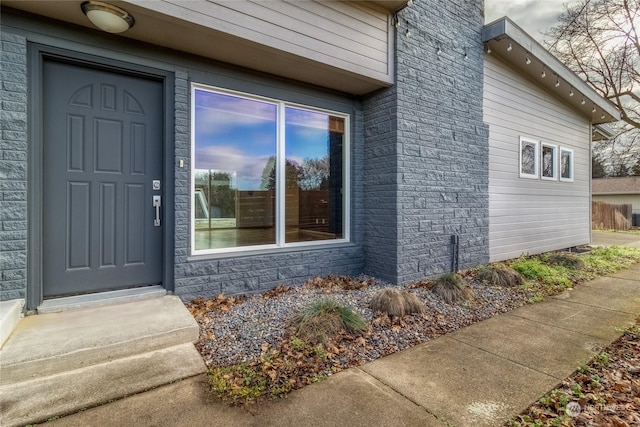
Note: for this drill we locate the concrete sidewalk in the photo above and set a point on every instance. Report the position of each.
(478, 376)
(609, 238)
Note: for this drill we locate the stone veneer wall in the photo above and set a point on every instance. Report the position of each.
(425, 137)
(13, 166)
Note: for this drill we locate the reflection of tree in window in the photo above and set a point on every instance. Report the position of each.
(547, 161)
(528, 158)
(566, 164)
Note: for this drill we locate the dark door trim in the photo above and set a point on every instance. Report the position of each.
(37, 55)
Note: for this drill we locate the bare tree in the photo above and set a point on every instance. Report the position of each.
(599, 40)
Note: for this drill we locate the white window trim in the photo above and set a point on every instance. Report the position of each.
(556, 163)
(536, 160)
(281, 176)
(571, 164)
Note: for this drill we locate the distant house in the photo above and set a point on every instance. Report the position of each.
(617, 191)
(231, 146)
(541, 119)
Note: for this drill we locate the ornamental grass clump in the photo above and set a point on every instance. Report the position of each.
(451, 288)
(325, 319)
(499, 275)
(395, 303)
(566, 260)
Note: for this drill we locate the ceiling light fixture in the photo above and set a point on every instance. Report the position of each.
(528, 60)
(602, 117)
(544, 73)
(583, 102)
(557, 82)
(593, 110)
(107, 17)
(488, 49)
(571, 92)
(509, 48)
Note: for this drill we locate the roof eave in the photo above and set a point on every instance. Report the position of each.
(499, 34)
(390, 5)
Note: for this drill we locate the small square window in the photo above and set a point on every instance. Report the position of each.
(528, 158)
(549, 162)
(566, 164)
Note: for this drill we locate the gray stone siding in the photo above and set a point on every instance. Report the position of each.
(249, 273)
(381, 185)
(13, 166)
(441, 149)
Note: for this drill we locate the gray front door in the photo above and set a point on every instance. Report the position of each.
(102, 151)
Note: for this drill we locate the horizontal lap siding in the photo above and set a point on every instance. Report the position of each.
(346, 35)
(527, 215)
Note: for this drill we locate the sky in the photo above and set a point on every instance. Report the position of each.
(239, 135)
(533, 16)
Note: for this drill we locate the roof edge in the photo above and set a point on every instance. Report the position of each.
(506, 28)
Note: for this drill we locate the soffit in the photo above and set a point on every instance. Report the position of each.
(499, 35)
(167, 31)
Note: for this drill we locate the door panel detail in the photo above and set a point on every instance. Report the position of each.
(78, 211)
(82, 97)
(108, 137)
(75, 145)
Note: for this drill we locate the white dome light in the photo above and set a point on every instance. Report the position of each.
(107, 17)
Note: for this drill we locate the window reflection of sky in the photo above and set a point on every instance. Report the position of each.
(239, 135)
(307, 134)
(234, 134)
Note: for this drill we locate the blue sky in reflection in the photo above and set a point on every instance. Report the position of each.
(234, 134)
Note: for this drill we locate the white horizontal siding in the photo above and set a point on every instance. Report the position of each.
(528, 216)
(347, 35)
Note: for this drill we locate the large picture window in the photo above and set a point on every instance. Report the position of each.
(265, 173)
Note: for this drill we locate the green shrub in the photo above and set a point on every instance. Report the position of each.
(535, 269)
(500, 275)
(325, 318)
(396, 303)
(451, 288)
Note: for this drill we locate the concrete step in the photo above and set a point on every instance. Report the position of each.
(51, 343)
(43, 397)
(58, 363)
(10, 315)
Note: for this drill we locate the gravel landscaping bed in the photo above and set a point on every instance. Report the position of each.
(237, 335)
(261, 346)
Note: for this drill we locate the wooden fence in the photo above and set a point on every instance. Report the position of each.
(605, 216)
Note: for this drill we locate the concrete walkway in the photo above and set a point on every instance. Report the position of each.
(609, 238)
(478, 376)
